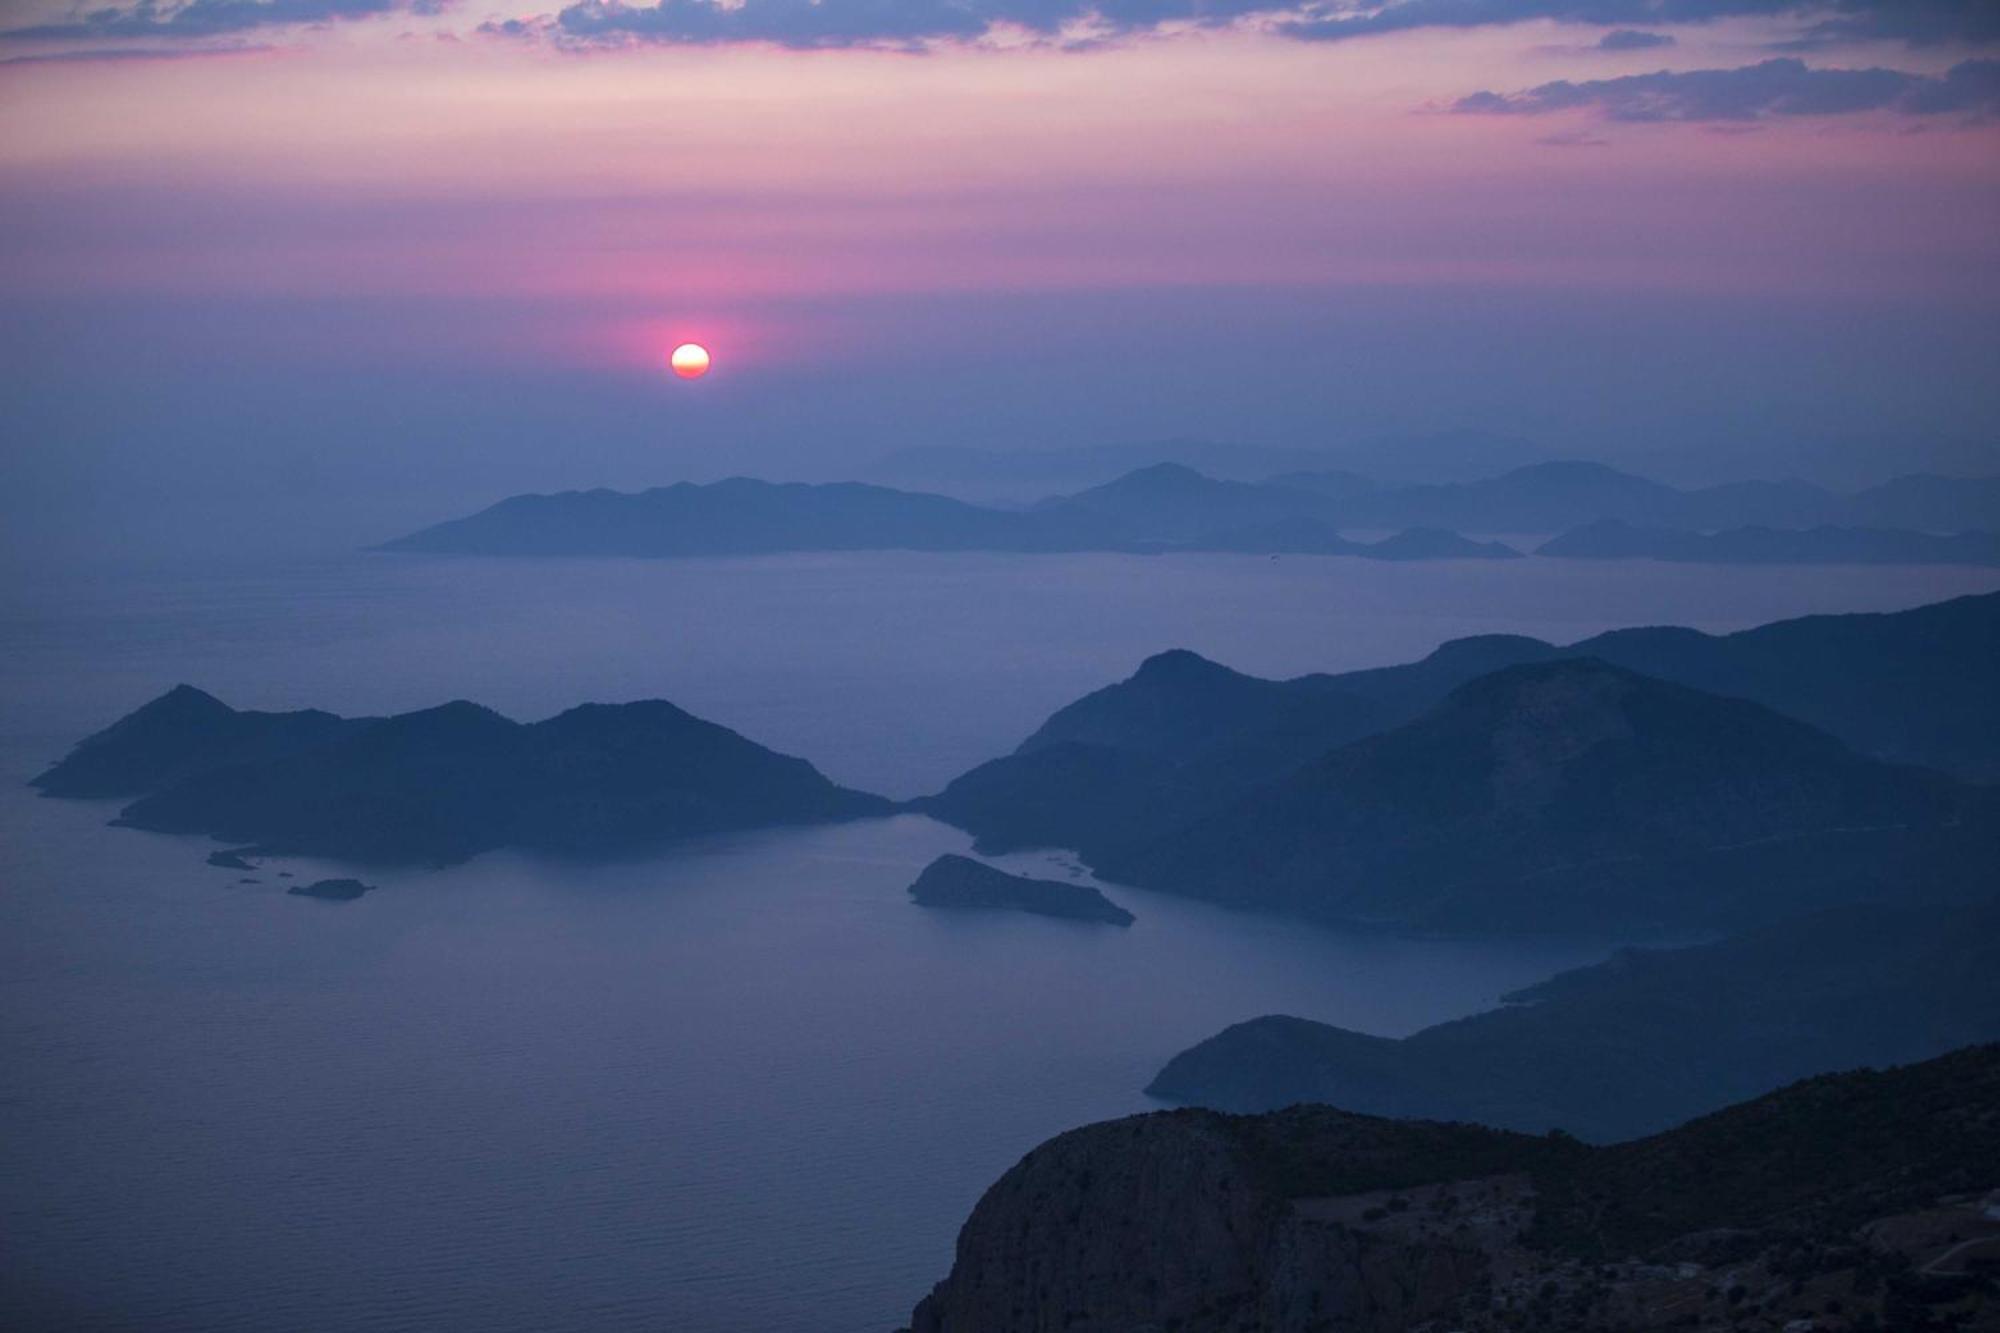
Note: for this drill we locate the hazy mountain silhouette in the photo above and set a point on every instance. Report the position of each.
(1927, 502)
(1179, 738)
(1559, 496)
(1183, 736)
(1166, 505)
(1401, 459)
(1541, 497)
(1645, 1040)
(1614, 539)
(740, 516)
(1315, 1218)
(445, 783)
(182, 733)
(1301, 535)
(1169, 506)
(1159, 508)
(1572, 794)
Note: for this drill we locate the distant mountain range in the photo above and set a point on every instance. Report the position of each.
(443, 784)
(1557, 496)
(1613, 539)
(1160, 508)
(1029, 473)
(1506, 783)
(1168, 507)
(1646, 1040)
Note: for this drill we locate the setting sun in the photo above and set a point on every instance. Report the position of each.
(690, 361)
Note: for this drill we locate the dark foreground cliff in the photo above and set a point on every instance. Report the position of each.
(1852, 1201)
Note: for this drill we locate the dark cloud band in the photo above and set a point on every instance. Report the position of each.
(1919, 22)
(842, 23)
(1786, 87)
(860, 22)
(197, 19)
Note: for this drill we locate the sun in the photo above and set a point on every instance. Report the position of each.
(690, 361)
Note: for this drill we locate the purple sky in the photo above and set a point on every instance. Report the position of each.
(355, 263)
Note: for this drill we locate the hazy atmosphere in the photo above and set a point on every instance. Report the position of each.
(970, 225)
(1000, 666)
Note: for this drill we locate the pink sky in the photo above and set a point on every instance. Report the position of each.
(1224, 231)
(370, 158)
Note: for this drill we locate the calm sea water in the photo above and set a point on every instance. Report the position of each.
(743, 1087)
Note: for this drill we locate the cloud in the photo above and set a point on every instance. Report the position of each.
(916, 23)
(1917, 22)
(1632, 39)
(197, 19)
(119, 54)
(840, 23)
(911, 23)
(882, 23)
(1785, 87)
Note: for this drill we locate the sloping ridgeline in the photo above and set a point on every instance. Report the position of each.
(1315, 1218)
(445, 783)
(1170, 506)
(1159, 508)
(1574, 795)
(1645, 1040)
(1117, 773)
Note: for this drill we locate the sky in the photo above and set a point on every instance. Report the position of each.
(322, 270)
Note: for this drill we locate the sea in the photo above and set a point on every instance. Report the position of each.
(742, 1086)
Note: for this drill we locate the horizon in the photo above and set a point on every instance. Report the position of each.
(1713, 243)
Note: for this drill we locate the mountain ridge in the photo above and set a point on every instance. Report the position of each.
(1105, 772)
(442, 784)
(1646, 1039)
(1167, 506)
(1560, 795)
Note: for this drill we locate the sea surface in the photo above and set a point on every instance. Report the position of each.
(745, 1086)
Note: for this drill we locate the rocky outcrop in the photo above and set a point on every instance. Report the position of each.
(1162, 1223)
(962, 884)
(1839, 1201)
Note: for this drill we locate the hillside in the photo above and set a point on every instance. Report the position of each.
(1184, 736)
(445, 783)
(1565, 795)
(1645, 1040)
(1164, 507)
(1839, 1201)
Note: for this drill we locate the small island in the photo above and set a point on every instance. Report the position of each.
(332, 890)
(961, 883)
